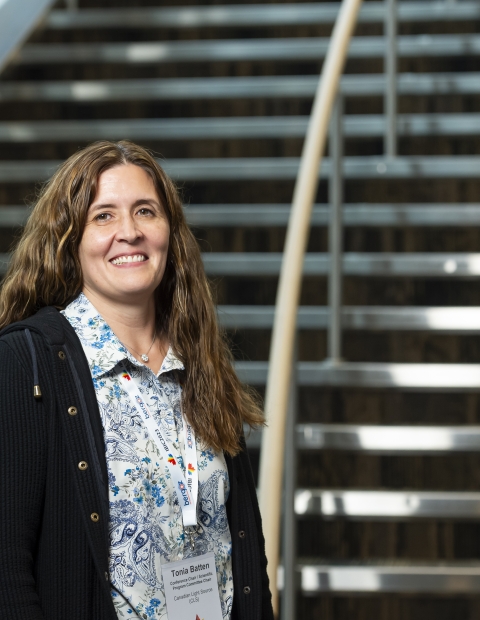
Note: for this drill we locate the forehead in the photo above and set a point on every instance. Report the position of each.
(124, 182)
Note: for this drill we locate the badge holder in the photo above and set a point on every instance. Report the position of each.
(191, 588)
(190, 584)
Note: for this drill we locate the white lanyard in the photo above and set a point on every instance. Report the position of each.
(187, 490)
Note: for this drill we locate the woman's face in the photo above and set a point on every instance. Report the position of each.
(123, 251)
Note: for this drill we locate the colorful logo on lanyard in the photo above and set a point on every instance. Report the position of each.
(126, 376)
(191, 468)
(171, 460)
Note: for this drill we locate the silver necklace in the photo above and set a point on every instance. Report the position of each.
(144, 356)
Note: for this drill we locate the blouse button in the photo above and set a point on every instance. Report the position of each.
(83, 465)
(106, 576)
(72, 411)
(241, 534)
(95, 517)
(246, 590)
(61, 355)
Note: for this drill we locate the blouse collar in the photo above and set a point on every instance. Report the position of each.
(101, 346)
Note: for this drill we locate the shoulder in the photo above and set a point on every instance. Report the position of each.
(50, 334)
(48, 324)
(48, 330)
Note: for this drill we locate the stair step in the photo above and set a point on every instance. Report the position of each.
(13, 215)
(371, 504)
(225, 215)
(243, 49)
(232, 88)
(355, 264)
(449, 214)
(450, 319)
(354, 168)
(381, 439)
(275, 168)
(445, 578)
(413, 264)
(253, 15)
(436, 377)
(354, 126)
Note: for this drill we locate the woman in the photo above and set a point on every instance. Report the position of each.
(126, 489)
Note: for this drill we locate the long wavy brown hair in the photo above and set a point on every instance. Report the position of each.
(45, 271)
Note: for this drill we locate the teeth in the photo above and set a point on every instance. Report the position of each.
(121, 260)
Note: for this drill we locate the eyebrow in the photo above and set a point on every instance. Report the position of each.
(137, 203)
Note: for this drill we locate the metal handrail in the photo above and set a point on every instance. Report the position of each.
(17, 20)
(288, 295)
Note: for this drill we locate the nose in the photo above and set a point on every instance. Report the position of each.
(127, 229)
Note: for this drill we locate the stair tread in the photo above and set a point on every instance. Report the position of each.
(252, 15)
(294, 48)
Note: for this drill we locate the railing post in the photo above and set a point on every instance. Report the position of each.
(390, 108)
(335, 233)
(289, 521)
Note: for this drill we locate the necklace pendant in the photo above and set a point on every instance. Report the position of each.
(144, 357)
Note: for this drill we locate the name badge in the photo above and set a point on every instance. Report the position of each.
(191, 589)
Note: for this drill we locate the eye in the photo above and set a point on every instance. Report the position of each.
(102, 217)
(145, 211)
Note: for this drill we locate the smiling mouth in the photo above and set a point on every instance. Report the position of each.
(122, 260)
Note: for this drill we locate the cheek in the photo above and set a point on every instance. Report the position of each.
(87, 263)
(162, 239)
(94, 243)
(82, 254)
(91, 249)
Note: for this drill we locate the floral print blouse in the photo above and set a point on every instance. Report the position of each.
(145, 525)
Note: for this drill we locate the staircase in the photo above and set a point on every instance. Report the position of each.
(388, 490)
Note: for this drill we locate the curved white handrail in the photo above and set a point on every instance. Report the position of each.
(281, 351)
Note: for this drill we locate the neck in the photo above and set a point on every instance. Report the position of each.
(133, 323)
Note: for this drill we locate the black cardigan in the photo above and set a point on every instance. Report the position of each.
(54, 516)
